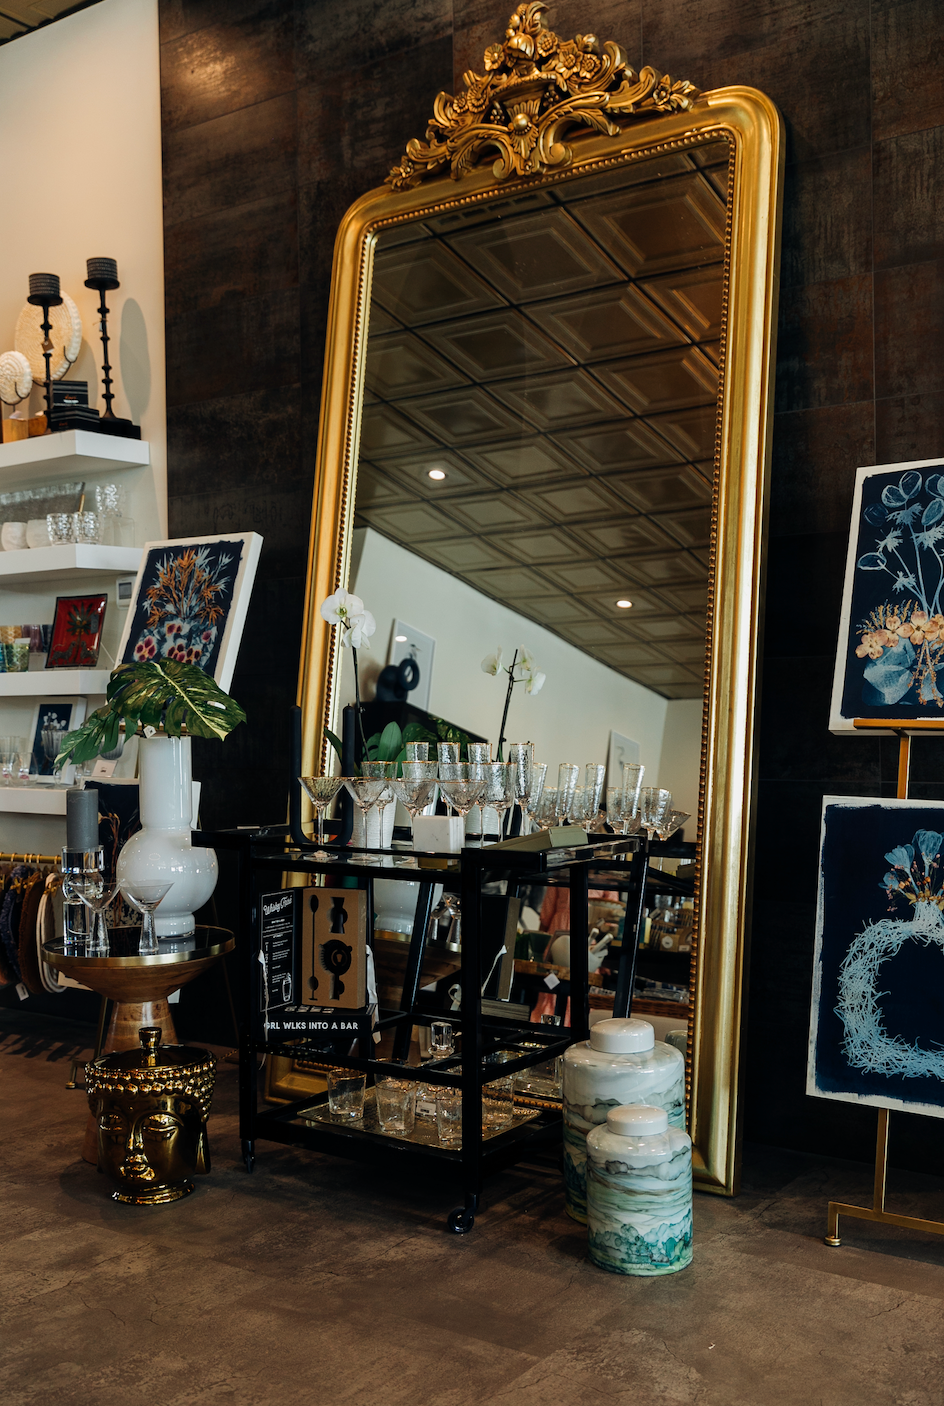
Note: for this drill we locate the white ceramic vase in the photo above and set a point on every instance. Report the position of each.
(161, 850)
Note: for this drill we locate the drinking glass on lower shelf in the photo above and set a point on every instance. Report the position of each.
(146, 897)
(498, 1102)
(346, 1093)
(52, 746)
(321, 791)
(396, 1104)
(449, 1117)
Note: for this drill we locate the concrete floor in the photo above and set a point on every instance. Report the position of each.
(314, 1281)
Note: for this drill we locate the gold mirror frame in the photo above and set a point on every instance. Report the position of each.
(635, 117)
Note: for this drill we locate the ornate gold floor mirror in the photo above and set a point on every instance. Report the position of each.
(565, 298)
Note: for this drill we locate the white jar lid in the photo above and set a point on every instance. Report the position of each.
(622, 1036)
(639, 1120)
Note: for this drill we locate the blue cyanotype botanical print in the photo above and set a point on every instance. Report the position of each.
(896, 636)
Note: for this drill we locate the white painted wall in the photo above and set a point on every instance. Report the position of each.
(681, 755)
(569, 720)
(80, 141)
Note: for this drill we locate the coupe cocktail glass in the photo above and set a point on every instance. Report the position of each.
(415, 793)
(146, 897)
(654, 803)
(97, 892)
(321, 791)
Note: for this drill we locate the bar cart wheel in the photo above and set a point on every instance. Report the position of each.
(462, 1219)
(249, 1154)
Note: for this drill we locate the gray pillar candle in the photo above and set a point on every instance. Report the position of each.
(81, 819)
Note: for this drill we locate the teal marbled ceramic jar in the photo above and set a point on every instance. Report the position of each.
(622, 1063)
(639, 1193)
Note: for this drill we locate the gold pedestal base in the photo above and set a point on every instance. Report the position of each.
(159, 1197)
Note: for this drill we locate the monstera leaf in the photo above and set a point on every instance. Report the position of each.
(167, 695)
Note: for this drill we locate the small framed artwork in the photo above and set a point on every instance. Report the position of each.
(190, 600)
(410, 643)
(53, 716)
(76, 632)
(877, 1010)
(890, 657)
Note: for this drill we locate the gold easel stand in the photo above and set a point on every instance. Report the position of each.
(877, 1211)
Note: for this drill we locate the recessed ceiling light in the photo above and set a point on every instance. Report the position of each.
(437, 474)
(400, 639)
(624, 604)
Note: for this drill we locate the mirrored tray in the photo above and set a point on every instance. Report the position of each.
(424, 1130)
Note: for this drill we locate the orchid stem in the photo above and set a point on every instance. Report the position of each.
(511, 684)
(357, 695)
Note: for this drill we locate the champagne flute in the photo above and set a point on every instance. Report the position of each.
(499, 789)
(521, 757)
(146, 897)
(321, 791)
(567, 774)
(653, 804)
(594, 776)
(631, 785)
(533, 799)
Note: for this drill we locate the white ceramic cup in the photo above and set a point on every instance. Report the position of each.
(13, 536)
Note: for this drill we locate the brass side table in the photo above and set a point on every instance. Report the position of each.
(139, 987)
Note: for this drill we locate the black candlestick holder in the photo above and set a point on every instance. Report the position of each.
(44, 293)
(103, 277)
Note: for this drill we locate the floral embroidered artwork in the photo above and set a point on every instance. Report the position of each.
(877, 1023)
(183, 603)
(892, 643)
(76, 632)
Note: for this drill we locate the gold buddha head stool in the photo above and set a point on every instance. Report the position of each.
(151, 1106)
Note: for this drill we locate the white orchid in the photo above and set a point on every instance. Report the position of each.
(522, 669)
(347, 610)
(492, 662)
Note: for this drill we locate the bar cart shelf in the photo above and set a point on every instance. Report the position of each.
(266, 857)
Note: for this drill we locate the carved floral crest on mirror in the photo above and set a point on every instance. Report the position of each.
(564, 298)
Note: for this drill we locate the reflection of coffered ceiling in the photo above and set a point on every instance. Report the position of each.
(553, 359)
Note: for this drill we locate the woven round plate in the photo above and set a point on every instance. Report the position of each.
(16, 378)
(66, 338)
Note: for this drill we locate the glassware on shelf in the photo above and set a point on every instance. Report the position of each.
(145, 897)
(653, 805)
(396, 1104)
(545, 811)
(580, 806)
(417, 751)
(630, 786)
(321, 791)
(97, 891)
(61, 528)
(366, 791)
(385, 769)
(52, 746)
(449, 1117)
(498, 1102)
(442, 1039)
(535, 792)
(87, 528)
(521, 757)
(499, 790)
(464, 790)
(414, 793)
(346, 1094)
(447, 752)
(567, 774)
(594, 776)
(479, 754)
(673, 820)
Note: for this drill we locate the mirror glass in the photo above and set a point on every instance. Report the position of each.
(535, 465)
(535, 470)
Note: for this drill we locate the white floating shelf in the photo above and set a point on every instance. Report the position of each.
(51, 563)
(69, 453)
(61, 683)
(33, 800)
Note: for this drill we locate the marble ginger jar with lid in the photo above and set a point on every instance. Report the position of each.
(622, 1063)
(639, 1193)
